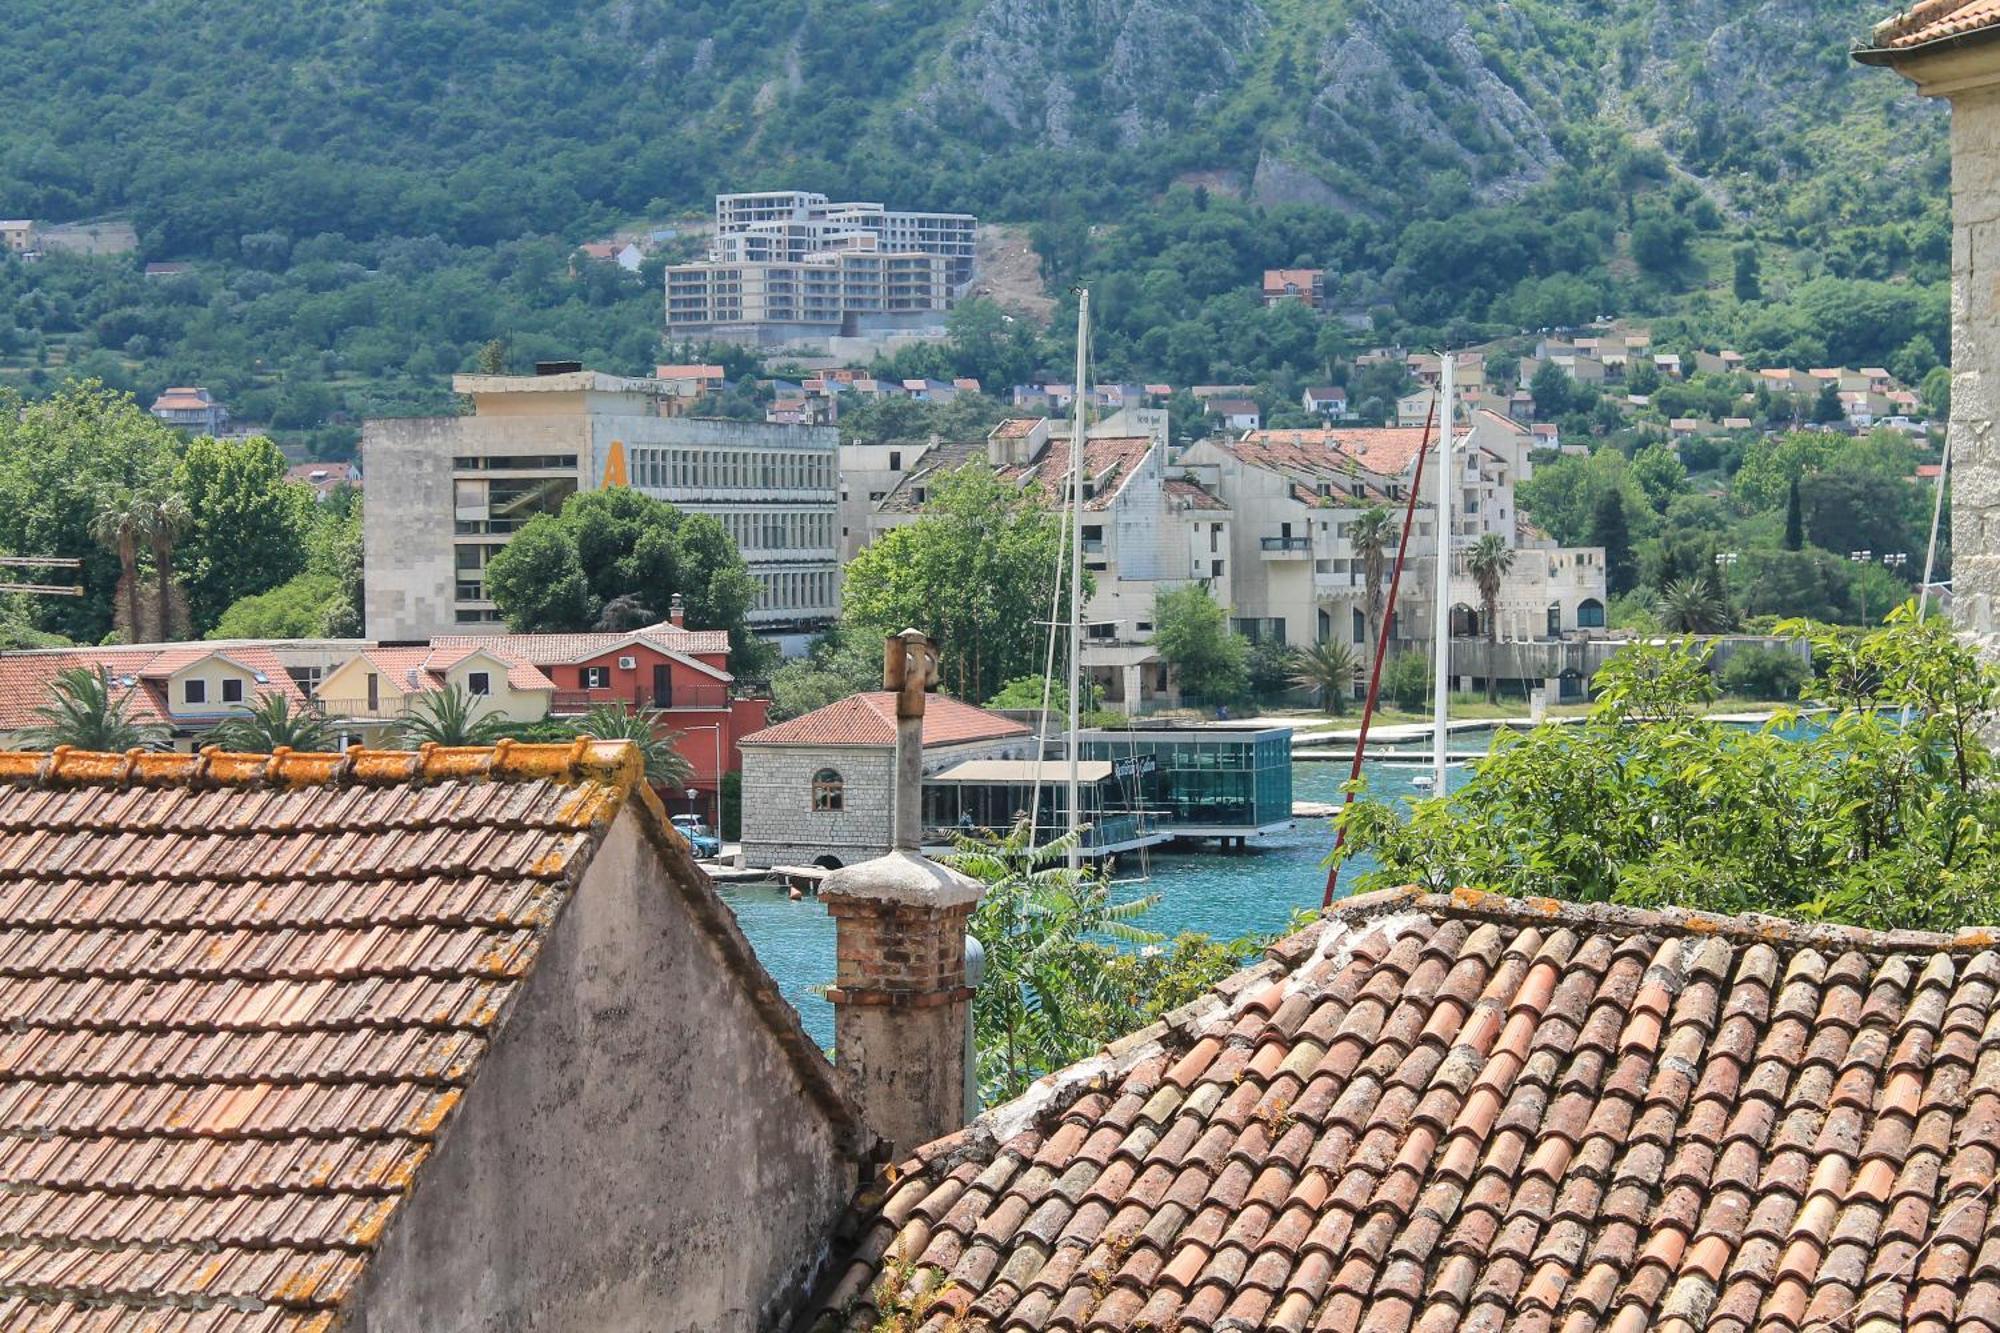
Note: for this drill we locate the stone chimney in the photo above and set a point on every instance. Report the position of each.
(676, 610)
(900, 995)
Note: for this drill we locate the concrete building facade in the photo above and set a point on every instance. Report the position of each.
(447, 493)
(1952, 50)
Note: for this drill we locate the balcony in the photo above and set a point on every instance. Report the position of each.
(570, 703)
(1285, 548)
(1336, 583)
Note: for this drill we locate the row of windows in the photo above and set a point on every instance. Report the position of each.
(738, 469)
(513, 462)
(196, 691)
(764, 530)
(785, 590)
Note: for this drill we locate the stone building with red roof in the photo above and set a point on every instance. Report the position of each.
(817, 789)
(392, 1042)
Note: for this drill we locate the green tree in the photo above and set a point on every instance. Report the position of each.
(1661, 242)
(1872, 820)
(646, 728)
(1488, 562)
(838, 664)
(1608, 529)
(1328, 670)
(246, 524)
(1793, 583)
(271, 724)
(295, 609)
(1748, 281)
(1795, 518)
(117, 528)
(1406, 681)
(1372, 535)
(1270, 666)
(537, 580)
(450, 716)
(82, 712)
(1826, 406)
(1691, 606)
(1550, 388)
(1660, 474)
(1756, 672)
(164, 519)
(976, 572)
(1936, 394)
(1772, 463)
(1209, 660)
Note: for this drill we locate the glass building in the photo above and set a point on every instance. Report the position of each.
(1213, 782)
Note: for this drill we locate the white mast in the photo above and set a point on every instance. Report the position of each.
(1441, 598)
(1077, 401)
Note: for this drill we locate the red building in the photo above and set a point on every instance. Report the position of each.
(682, 672)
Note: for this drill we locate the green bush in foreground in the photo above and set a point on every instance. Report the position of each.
(1867, 820)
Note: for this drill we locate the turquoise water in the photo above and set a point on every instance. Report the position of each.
(1218, 893)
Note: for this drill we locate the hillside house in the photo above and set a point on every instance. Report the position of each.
(1329, 402)
(1234, 413)
(191, 408)
(1304, 285)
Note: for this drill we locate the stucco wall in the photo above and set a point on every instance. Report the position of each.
(636, 1152)
(1975, 359)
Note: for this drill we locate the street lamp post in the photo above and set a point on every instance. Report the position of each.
(715, 727)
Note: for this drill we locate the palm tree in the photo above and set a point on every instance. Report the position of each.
(450, 716)
(1371, 536)
(1691, 606)
(273, 723)
(665, 765)
(117, 526)
(82, 713)
(163, 517)
(1488, 562)
(1328, 669)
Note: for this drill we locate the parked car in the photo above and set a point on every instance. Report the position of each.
(707, 846)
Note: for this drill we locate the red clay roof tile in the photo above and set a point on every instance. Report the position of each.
(1510, 1115)
(1935, 20)
(870, 719)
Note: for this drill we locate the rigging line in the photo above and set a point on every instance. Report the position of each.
(1381, 651)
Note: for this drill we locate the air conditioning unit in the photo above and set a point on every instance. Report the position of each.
(628, 664)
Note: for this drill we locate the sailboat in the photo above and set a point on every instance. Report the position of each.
(1434, 781)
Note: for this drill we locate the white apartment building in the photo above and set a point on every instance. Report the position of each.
(452, 491)
(1296, 495)
(792, 265)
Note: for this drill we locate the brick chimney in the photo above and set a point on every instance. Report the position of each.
(676, 610)
(900, 995)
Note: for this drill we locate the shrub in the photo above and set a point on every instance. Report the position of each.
(1406, 680)
(1757, 672)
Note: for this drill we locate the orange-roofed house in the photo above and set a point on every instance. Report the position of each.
(817, 788)
(1950, 49)
(395, 1042)
(1304, 285)
(191, 408)
(183, 689)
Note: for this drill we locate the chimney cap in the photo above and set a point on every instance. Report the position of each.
(901, 879)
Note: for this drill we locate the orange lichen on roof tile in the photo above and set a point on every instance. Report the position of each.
(1463, 1111)
(252, 989)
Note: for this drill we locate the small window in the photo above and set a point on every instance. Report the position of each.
(595, 678)
(827, 791)
(195, 691)
(895, 460)
(479, 683)
(232, 691)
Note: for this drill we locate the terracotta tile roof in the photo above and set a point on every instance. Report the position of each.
(25, 678)
(1014, 428)
(241, 995)
(1108, 464)
(1469, 1113)
(1387, 451)
(1934, 20)
(561, 649)
(1189, 495)
(870, 719)
(937, 460)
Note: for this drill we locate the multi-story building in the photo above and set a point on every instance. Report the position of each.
(17, 236)
(1297, 494)
(191, 408)
(446, 493)
(792, 265)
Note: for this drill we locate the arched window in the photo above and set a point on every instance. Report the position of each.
(827, 790)
(1590, 614)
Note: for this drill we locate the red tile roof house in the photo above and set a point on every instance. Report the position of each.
(394, 1042)
(186, 688)
(1470, 1114)
(817, 789)
(682, 672)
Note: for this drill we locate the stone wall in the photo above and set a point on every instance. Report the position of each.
(638, 1151)
(780, 827)
(1975, 359)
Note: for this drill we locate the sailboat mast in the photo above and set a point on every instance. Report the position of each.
(1078, 400)
(1441, 599)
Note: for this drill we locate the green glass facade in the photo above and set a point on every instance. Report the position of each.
(1210, 781)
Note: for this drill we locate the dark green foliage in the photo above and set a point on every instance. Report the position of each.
(1271, 667)
(1209, 660)
(1757, 672)
(1609, 529)
(1795, 523)
(1872, 819)
(1747, 282)
(732, 806)
(1406, 681)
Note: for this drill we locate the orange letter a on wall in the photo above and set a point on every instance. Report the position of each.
(614, 467)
